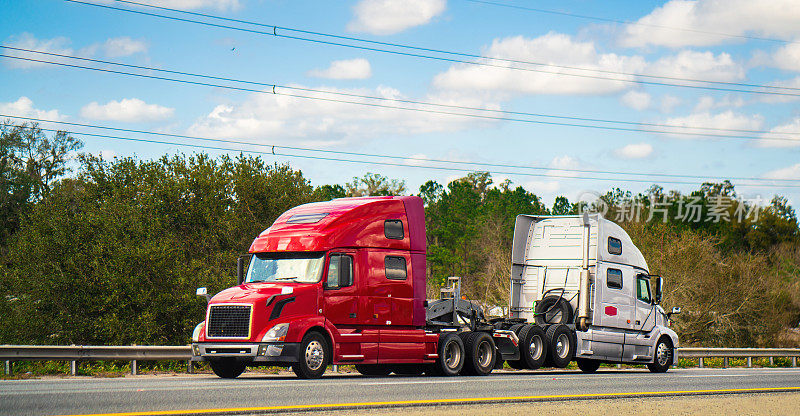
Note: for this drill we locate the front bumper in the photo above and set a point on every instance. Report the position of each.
(265, 352)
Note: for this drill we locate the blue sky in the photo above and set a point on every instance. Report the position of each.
(714, 41)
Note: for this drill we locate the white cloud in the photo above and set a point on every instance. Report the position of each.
(637, 100)
(791, 172)
(541, 188)
(386, 17)
(706, 103)
(564, 162)
(735, 17)
(23, 107)
(669, 102)
(222, 5)
(126, 110)
(789, 83)
(416, 160)
(123, 46)
(552, 48)
(279, 117)
(59, 45)
(635, 151)
(698, 65)
(788, 57)
(788, 135)
(345, 69)
(107, 154)
(724, 120)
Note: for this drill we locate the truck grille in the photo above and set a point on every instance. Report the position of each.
(229, 321)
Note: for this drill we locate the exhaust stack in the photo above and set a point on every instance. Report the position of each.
(583, 292)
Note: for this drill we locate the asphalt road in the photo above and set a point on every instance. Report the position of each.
(196, 392)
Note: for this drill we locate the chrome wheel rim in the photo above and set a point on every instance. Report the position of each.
(315, 355)
(452, 355)
(562, 346)
(662, 354)
(536, 347)
(484, 354)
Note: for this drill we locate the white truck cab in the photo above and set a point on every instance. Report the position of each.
(585, 272)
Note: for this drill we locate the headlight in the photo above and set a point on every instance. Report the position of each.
(196, 332)
(276, 333)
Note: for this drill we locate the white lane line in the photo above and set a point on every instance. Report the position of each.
(393, 383)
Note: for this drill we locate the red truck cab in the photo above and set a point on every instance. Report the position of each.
(338, 282)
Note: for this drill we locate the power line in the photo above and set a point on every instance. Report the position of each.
(627, 22)
(422, 110)
(372, 97)
(385, 156)
(275, 33)
(403, 165)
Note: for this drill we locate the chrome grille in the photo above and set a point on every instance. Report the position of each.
(229, 321)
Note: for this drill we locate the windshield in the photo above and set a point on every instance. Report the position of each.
(286, 267)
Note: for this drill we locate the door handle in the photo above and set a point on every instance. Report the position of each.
(637, 323)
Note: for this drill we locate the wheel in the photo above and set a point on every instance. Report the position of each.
(227, 367)
(407, 369)
(480, 353)
(532, 346)
(314, 356)
(373, 369)
(561, 345)
(663, 356)
(451, 355)
(588, 366)
(553, 310)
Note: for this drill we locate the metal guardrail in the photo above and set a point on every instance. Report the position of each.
(134, 353)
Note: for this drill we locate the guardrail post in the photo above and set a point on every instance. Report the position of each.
(134, 367)
(702, 363)
(335, 368)
(794, 361)
(749, 362)
(190, 367)
(724, 362)
(73, 368)
(771, 361)
(9, 367)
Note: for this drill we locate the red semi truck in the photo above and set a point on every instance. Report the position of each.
(344, 282)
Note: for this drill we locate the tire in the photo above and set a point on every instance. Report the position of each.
(227, 367)
(553, 310)
(662, 357)
(560, 345)
(451, 355)
(314, 356)
(533, 346)
(588, 366)
(407, 369)
(481, 353)
(373, 369)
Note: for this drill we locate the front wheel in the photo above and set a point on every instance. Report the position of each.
(588, 366)
(227, 367)
(663, 356)
(314, 356)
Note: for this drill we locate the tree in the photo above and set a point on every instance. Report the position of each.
(561, 206)
(373, 184)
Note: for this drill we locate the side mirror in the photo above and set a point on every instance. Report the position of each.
(676, 310)
(201, 291)
(659, 289)
(240, 263)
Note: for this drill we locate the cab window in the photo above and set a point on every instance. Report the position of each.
(340, 271)
(643, 289)
(614, 278)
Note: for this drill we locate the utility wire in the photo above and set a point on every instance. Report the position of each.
(372, 97)
(274, 32)
(274, 91)
(403, 165)
(386, 156)
(627, 22)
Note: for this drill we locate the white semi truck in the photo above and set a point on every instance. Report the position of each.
(585, 272)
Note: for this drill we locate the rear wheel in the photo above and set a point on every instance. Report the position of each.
(314, 356)
(227, 367)
(663, 356)
(373, 369)
(451, 355)
(588, 366)
(561, 345)
(481, 353)
(532, 346)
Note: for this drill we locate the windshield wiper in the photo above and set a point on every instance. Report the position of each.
(286, 278)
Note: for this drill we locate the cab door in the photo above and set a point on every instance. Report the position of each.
(645, 317)
(340, 291)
